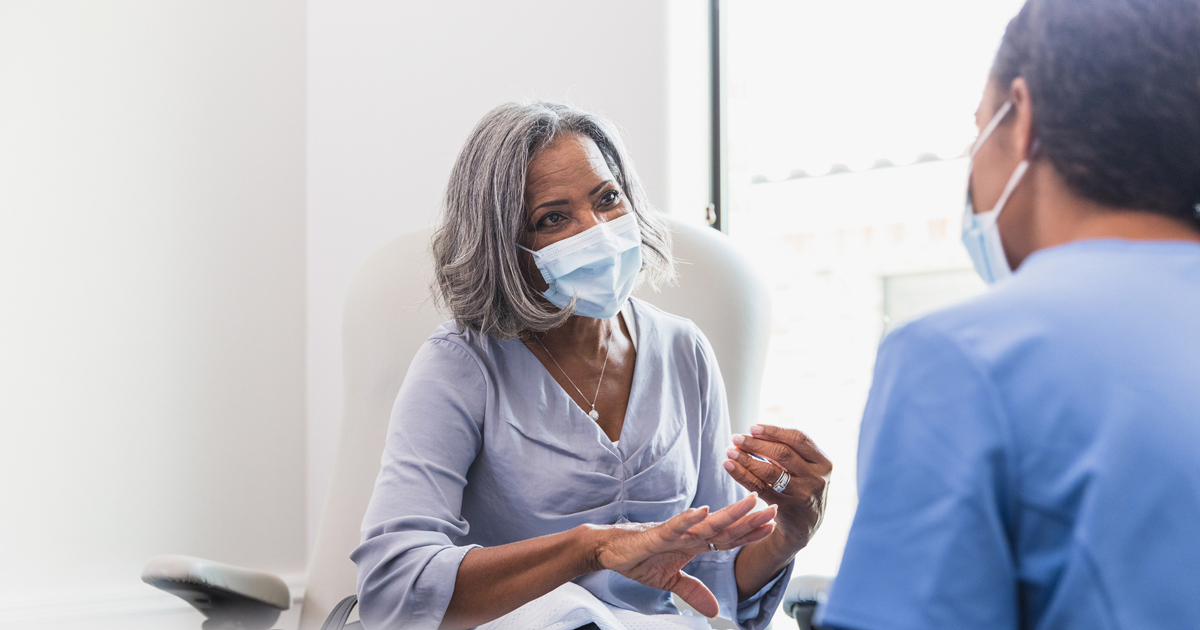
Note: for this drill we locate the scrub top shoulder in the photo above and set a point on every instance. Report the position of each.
(1031, 458)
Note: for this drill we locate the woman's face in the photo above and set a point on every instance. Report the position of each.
(569, 189)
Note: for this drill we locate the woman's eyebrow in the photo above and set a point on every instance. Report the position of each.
(563, 202)
(597, 188)
(556, 202)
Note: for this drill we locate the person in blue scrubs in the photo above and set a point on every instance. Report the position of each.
(1031, 458)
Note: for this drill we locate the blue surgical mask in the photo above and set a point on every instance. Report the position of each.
(980, 233)
(596, 268)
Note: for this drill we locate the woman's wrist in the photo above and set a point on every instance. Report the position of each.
(589, 543)
(785, 543)
(763, 561)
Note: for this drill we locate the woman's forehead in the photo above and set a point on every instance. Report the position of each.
(572, 159)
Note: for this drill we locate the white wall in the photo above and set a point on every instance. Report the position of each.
(394, 89)
(689, 147)
(151, 297)
(175, 177)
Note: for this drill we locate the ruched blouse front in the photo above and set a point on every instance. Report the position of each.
(485, 448)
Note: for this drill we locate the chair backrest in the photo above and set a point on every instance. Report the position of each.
(389, 314)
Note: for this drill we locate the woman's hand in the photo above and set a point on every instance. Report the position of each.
(802, 503)
(655, 553)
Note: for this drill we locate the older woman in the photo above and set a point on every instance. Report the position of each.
(559, 431)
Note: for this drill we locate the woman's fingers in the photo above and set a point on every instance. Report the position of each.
(766, 472)
(749, 480)
(798, 441)
(776, 452)
(742, 527)
(721, 519)
(696, 594)
(759, 533)
(679, 524)
(696, 528)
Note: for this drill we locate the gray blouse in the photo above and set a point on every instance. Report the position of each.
(485, 448)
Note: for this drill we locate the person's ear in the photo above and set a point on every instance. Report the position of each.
(1024, 133)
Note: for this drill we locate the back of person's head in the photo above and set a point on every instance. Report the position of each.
(1116, 96)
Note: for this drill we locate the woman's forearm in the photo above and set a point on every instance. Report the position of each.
(494, 581)
(761, 561)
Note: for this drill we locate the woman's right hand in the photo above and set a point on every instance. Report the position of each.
(654, 554)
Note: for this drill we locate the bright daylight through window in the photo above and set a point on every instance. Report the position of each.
(848, 126)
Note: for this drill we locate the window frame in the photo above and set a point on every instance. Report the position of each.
(718, 206)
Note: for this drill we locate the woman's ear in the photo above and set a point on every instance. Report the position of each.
(1024, 134)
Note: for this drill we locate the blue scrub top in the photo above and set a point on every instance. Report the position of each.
(1031, 458)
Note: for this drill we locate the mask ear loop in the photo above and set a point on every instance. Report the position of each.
(1013, 181)
(991, 127)
(531, 252)
(987, 132)
(1022, 168)
(1017, 176)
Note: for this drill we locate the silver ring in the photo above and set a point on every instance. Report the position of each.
(712, 547)
(781, 484)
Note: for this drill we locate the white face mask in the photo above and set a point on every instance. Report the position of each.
(980, 233)
(597, 267)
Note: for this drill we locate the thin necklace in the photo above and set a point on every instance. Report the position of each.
(593, 414)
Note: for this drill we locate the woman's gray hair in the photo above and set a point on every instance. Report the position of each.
(476, 260)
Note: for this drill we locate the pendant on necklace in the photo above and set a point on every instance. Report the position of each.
(594, 415)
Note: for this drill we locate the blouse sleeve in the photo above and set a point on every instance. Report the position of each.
(407, 561)
(716, 489)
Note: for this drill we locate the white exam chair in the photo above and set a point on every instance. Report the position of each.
(388, 315)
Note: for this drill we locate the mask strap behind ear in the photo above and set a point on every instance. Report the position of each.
(991, 126)
(1012, 184)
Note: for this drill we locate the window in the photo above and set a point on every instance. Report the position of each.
(847, 125)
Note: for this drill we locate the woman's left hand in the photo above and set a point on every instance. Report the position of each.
(801, 503)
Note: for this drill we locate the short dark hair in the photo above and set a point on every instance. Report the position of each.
(1116, 92)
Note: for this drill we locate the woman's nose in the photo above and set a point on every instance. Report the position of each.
(592, 219)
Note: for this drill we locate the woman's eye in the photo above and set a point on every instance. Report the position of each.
(550, 220)
(610, 198)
